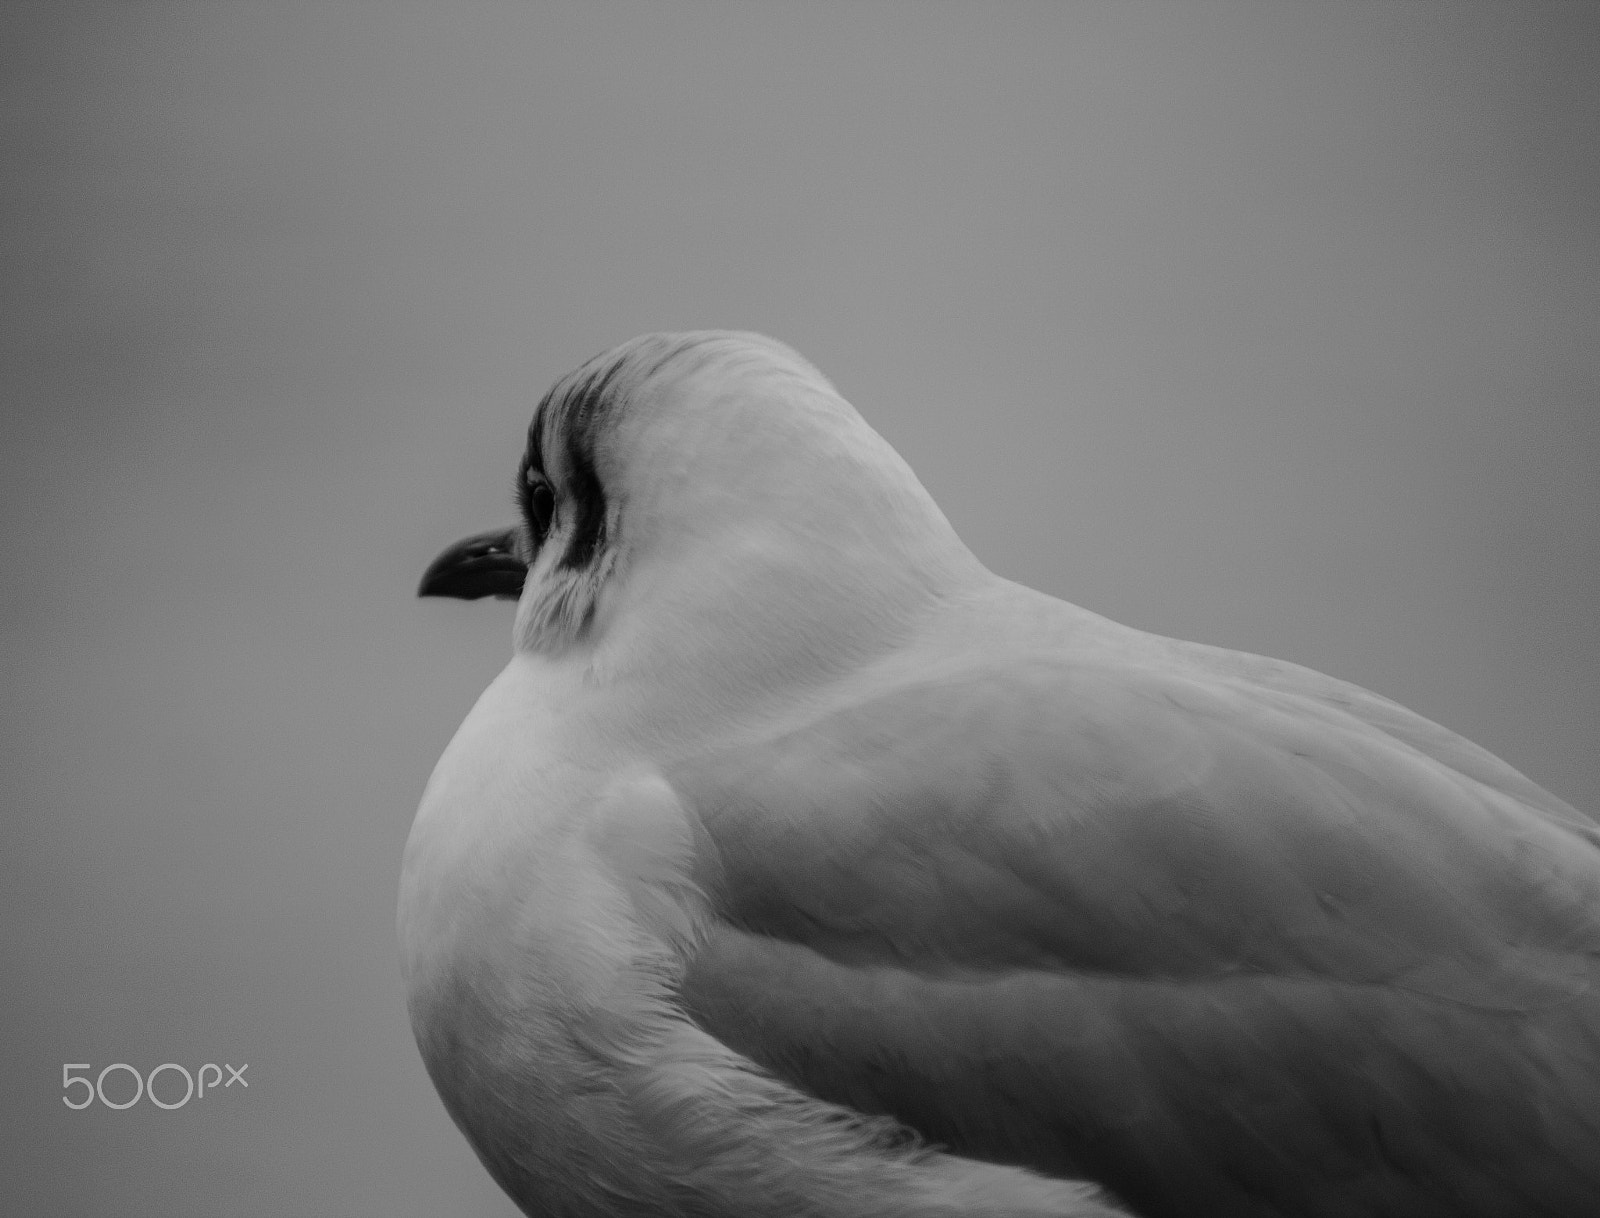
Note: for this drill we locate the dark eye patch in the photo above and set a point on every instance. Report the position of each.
(580, 406)
(588, 505)
(541, 505)
(535, 496)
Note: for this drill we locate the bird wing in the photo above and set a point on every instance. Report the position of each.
(583, 1086)
(1224, 944)
(1306, 688)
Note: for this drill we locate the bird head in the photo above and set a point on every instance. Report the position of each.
(707, 486)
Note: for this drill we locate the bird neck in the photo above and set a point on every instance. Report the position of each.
(767, 613)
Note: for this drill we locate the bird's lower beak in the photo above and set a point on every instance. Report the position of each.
(482, 565)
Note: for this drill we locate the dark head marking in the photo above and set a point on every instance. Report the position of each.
(574, 410)
(535, 495)
(586, 406)
(574, 415)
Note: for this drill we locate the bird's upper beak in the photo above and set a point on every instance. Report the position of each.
(485, 564)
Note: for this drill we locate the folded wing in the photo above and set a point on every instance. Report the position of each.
(1222, 934)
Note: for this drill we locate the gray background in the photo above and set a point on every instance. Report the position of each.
(1270, 325)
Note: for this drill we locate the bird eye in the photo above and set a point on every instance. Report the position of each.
(541, 507)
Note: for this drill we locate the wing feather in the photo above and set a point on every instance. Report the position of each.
(1201, 937)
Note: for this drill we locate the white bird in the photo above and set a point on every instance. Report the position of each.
(796, 865)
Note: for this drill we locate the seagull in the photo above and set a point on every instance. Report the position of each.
(798, 866)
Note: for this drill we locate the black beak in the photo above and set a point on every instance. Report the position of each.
(483, 565)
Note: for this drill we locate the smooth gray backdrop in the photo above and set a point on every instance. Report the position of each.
(1273, 325)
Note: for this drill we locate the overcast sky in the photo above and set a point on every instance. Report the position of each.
(1271, 325)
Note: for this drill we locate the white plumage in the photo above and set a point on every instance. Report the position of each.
(789, 829)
